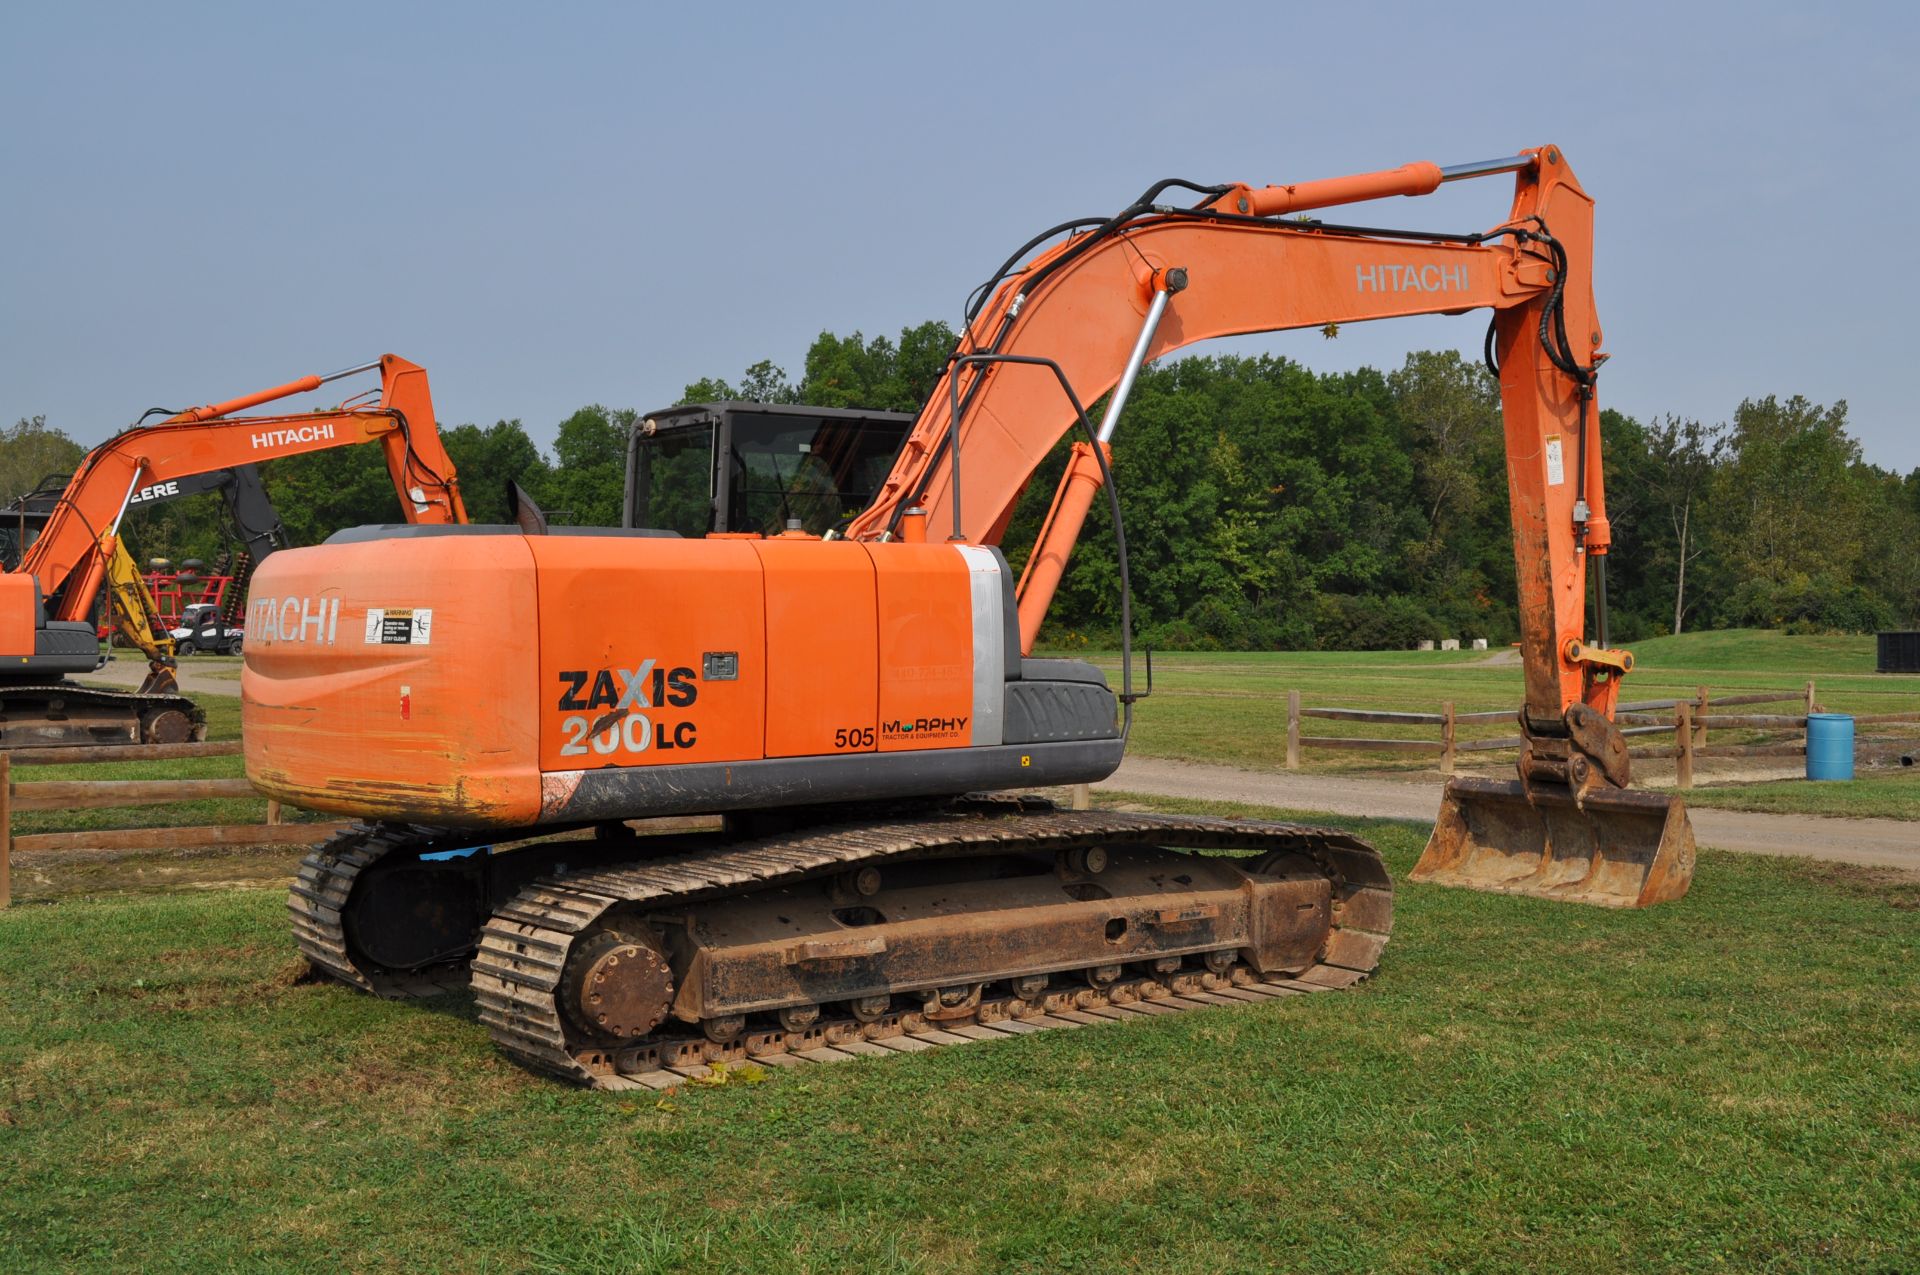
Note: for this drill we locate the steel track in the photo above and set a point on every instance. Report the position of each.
(524, 947)
(318, 897)
(134, 701)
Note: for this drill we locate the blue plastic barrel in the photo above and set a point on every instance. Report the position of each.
(1829, 746)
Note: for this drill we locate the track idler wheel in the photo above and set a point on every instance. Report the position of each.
(167, 726)
(617, 987)
(1087, 861)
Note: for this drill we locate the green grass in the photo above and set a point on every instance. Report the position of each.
(1748, 650)
(1231, 707)
(1883, 795)
(1731, 1082)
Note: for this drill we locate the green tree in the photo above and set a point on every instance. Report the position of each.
(584, 486)
(32, 450)
(1789, 504)
(852, 371)
(1685, 454)
(1889, 565)
(764, 382)
(486, 460)
(1453, 409)
(1636, 584)
(319, 493)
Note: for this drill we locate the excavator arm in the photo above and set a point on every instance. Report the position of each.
(1115, 294)
(71, 556)
(136, 617)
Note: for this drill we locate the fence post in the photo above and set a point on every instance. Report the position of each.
(1683, 744)
(1293, 730)
(1082, 797)
(6, 830)
(1446, 738)
(1699, 720)
(273, 811)
(1806, 722)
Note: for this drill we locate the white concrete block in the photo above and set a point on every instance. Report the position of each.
(1449, 644)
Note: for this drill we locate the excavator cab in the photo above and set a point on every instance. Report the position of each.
(22, 521)
(757, 468)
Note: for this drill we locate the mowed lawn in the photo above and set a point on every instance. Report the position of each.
(1730, 1082)
(1231, 707)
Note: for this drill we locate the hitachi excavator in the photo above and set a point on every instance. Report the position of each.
(46, 636)
(860, 705)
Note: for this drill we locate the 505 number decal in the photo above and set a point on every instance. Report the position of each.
(854, 737)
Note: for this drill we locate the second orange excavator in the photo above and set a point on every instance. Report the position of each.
(46, 634)
(843, 700)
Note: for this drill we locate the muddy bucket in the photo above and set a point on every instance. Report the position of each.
(1624, 849)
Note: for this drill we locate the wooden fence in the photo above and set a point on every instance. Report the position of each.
(96, 794)
(1691, 721)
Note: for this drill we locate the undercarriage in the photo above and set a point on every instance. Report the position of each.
(615, 955)
(61, 715)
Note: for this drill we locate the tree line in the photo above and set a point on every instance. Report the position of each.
(1267, 506)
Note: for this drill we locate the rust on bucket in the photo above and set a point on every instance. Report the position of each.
(1613, 848)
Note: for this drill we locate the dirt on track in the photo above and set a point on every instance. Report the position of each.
(1882, 843)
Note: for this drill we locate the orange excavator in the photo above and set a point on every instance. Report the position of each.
(857, 706)
(46, 636)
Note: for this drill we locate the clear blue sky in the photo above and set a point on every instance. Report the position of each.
(551, 205)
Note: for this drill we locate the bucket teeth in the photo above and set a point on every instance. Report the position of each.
(1612, 848)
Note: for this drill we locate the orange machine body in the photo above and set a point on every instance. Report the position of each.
(17, 599)
(717, 674)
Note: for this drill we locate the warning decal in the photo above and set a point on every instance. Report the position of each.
(399, 626)
(1556, 462)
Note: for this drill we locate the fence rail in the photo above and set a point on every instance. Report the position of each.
(1690, 721)
(100, 794)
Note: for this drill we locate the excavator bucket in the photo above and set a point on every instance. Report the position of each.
(1617, 848)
